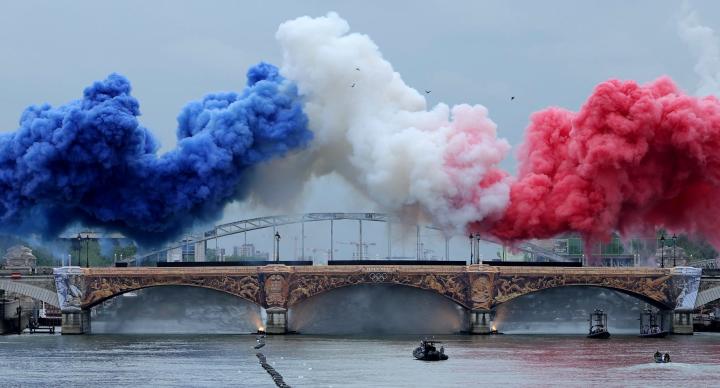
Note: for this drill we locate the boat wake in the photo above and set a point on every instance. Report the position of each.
(675, 366)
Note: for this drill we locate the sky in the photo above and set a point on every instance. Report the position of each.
(479, 52)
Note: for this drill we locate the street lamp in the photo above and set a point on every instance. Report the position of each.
(478, 257)
(471, 249)
(277, 246)
(662, 251)
(674, 238)
(87, 251)
(79, 247)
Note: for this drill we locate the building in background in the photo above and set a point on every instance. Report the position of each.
(613, 253)
(20, 258)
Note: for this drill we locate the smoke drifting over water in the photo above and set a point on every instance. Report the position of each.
(176, 310)
(377, 309)
(565, 310)
(376, 132)
(90, 161)
(632, 159)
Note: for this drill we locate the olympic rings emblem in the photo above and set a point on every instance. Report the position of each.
(378, 277)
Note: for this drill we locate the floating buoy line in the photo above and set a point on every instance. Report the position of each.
(277, 377)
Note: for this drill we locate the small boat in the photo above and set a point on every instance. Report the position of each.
(427, 351)
(598, 325)
(653, 332)
(649, 328)
(661, 358)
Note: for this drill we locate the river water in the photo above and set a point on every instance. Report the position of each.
(332, 361)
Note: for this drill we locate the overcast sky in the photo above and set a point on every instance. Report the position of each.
(481, 52)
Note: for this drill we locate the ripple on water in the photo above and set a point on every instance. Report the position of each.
(316, 361)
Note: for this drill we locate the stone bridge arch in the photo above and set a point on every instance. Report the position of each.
(39, 293)
(644, 298)
(99, 287)
(451, 285)
(658, 289)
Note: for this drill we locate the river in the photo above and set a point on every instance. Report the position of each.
(331, 361)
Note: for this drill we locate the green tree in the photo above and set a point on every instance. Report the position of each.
(123, 252)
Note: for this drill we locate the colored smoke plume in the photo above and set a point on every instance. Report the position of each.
(633, 158)
(705, 45)
(90, 161)
(376, 132)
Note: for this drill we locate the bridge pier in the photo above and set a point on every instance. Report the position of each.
(276, 321)
(682, 322)
(480, 322)
(76, 322)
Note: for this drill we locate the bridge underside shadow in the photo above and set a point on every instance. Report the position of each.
(565, 310)
(176, 310)
(575, 288)
(377, 309)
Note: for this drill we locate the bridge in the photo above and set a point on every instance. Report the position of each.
(40, 288)
(201, 240)
(277, 288)
(477, 288)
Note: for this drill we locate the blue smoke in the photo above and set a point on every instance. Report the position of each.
(90, 161)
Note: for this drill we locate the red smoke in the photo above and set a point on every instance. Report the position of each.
(634, 158)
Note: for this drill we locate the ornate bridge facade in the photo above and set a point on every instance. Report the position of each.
(478, 288)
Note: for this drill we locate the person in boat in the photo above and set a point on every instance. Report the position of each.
(657, 354)
(666, 357)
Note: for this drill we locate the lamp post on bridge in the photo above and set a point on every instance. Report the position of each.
(87, 251)
(277, 246)
(674, 238)
(471, 248)
(662, 251)
(79, 247)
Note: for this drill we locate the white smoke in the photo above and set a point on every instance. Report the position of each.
(704, 45)
(376, 132)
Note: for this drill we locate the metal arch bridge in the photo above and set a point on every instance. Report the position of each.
(706, 264)
(251, 224)
(48, 296)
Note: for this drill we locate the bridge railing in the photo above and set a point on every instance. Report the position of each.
(706, 264)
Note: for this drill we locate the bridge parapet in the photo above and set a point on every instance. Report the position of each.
(452, 282)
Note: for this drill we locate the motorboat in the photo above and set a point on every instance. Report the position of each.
(649, 327)
(652, 331)
(661, 358)
(428, 351)
(598, 325)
